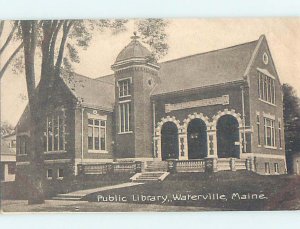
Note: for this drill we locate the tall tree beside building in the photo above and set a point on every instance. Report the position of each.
(58, 42)
(291, 109)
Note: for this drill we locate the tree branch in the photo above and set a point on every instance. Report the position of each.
(53, 41)
(8, 39)
(1, 27)
(66, 29)
(10, 59)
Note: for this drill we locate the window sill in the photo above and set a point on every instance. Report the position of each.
(59, 178)
(272, 104)
(59, 151)
(22, 155)
(270, 147)
(259, 146)
(124, 96)
(128, 132)
(97, 151)
(49, 178)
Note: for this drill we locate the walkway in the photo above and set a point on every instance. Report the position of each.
(77, 195)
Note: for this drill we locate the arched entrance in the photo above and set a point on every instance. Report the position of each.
(169, 141)
(197, 139)
(228, 137)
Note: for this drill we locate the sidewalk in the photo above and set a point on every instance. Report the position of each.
(77, 195)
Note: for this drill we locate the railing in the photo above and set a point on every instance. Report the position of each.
(224, 164)
(186, 165)
(109, 168)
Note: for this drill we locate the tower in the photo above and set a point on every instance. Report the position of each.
(136, 74)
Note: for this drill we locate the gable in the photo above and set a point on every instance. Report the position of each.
(92, 92)
(262, 61)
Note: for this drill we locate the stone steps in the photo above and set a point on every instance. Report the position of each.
(150, 176)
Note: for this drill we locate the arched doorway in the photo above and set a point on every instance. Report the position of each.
(228, 137)
(197, 139)
(169, 141)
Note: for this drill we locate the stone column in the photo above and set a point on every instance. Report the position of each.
(157, 148)
(183, 146)
(212, 148)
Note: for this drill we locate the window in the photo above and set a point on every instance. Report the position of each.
(279, 134)
(258, 129)
(267, 168)
(124, 88)
(54, 136)
(12, 144)
(49, 174)
(60, 174)
(23, 145)
(124, 117)
(269, 132)
(276, 168)
(96, 134)
(266, 88)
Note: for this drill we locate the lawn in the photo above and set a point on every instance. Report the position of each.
(223, 190)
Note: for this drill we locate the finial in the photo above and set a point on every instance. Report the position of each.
(134, 37)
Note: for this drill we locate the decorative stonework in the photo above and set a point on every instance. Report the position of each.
(137, 68)
(226, 112)
(195, 115)
(223, 100)
(167, 119)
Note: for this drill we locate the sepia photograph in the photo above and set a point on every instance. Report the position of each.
(150, 115)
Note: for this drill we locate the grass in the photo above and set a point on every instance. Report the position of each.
(281, 192)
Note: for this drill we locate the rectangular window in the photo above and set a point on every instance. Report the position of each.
(279, 134)
(60, 173)
(267, 168)
(124, 117)
(124, 88)
(269, 132)
(49, 174)
(266, 88)
(54, 137)
(276, 168)
(23, 144)
(258, 129)
(96, 134)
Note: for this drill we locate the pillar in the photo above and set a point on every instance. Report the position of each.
(212, 148)
(183, 146)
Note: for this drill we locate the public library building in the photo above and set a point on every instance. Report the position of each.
(223, 106)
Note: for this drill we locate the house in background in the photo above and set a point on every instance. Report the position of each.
(8, 157)
(221, 109)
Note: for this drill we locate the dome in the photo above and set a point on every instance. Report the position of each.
(133, 50)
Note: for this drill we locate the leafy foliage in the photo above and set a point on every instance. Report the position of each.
(6, 128)
(291, 113)
(153, 33)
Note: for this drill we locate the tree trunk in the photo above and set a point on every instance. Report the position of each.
(36, 172)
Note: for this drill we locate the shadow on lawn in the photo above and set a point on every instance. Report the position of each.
(224, 190)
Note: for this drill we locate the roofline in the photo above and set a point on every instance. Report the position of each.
(203, 53)
(254, 54)
(199, 88)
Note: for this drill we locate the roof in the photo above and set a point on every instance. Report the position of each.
(133, 50)
(205, 69)
(92, 92)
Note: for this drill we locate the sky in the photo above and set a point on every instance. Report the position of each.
(185, 37)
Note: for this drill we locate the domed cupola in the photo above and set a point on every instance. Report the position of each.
(134, 53)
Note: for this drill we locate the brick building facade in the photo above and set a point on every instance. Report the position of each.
(223, 104)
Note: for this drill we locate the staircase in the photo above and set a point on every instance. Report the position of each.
(154, 171)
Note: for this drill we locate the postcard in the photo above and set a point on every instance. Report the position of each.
(157, 114)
